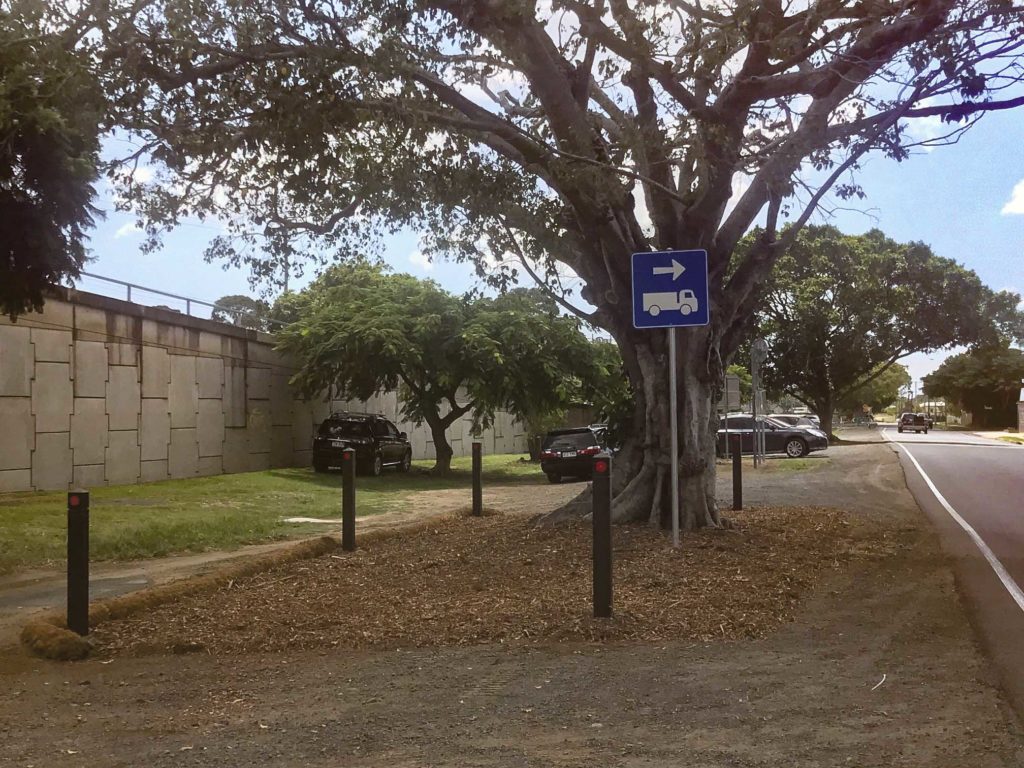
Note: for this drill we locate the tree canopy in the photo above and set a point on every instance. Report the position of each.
(882, 390)
(553, 139)
(243, 311)
(50, 113)
(986, 382)
(841, 309)
(357, 331)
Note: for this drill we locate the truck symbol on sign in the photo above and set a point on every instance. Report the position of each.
(684, 301)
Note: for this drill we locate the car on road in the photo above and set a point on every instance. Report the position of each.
(377, 442)
(912, 421)
(570, 452)
(779, 437)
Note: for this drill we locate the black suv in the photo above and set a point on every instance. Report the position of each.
(570, 452)
(376, 441)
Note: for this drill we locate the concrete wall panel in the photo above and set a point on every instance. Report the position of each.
(155, 434)
(210, 465)
(52, 462)
(90, 369)
(123, 457)
(52, 346)
(153, 471)
(184, 395)
(15, 480)
(123, 397)
(19, 433)
(16, 361)
(210, 377)
(89, 430)
(234, 394)
(183, 454)
(156, 372)
(89, 476)
(236, 450)
(258, 383)
(52, 397)
(210, 429)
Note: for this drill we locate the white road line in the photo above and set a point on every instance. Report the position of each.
(1011, 586)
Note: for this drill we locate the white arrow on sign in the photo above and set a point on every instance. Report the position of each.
(675, 270)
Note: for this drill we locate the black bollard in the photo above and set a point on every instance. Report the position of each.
(737, 473)
(478, 493)
(602, 519)
(78, 562)
(348, 500)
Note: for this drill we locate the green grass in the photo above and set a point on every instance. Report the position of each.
(223, 512)
(777, 464)
(1011, 439)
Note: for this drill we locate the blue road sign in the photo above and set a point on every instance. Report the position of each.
(670, 289)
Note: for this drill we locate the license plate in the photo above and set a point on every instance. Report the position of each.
(337, 443)
(568, 454)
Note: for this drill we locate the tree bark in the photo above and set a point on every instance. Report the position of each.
(643, 467)
(824, 408)
(442, 450)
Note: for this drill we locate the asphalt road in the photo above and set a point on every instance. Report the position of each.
(973, 489)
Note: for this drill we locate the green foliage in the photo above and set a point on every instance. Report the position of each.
(881, 390)
(243, 311)
(985, 381)
(50, 112)
(746, 381)
(357, 331)
(841, 309)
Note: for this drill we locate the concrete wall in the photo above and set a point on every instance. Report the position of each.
(96, 391)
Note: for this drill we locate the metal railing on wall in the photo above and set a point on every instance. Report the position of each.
(189, 302)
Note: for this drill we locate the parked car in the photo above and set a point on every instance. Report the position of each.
(376, 441)
(912, 421)
(794, 420)
(570, 452)
(779, 437)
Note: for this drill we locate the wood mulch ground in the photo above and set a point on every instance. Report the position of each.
(501, 578)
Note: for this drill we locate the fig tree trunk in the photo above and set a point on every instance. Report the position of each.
(643, 468)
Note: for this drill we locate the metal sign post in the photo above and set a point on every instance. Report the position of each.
(758, 354)
(670, 290)
(673, 417)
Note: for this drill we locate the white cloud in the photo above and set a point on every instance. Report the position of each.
(420, 259)
(127, 229)
(1016, 202)
(142, 174)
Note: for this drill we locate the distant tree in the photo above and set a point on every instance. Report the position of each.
(840, 310)
(243, 311)
(50, 113)
(357, 331)
(878, 394)
(746, 381)
(984, 381)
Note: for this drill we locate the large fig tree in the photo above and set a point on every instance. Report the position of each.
(551, 138)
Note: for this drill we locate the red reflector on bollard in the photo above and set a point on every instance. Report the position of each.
(601, 467)
(346, 456)
(74, 501)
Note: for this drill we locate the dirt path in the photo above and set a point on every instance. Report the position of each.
(879, 668)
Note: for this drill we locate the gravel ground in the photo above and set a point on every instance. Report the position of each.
(877, 667)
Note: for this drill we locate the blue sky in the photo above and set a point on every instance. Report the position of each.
(966, 201)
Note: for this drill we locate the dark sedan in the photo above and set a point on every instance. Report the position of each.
(778, 436)
(570, 452)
